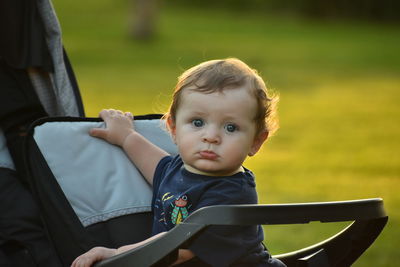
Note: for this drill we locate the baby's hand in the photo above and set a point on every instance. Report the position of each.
(93, 255)
(118, 126)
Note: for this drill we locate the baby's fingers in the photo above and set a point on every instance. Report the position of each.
(81, 262)
(108, 113)
(129, 115)
(99, 133)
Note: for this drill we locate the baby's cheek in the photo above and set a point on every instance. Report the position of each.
(236, 154)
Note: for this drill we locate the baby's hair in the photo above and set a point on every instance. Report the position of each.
(219, 75)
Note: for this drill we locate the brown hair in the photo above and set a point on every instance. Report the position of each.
(218, 75)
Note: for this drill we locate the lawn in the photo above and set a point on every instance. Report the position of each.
(339, 87)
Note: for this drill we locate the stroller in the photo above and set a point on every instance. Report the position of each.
(88, 198)
(81, 217)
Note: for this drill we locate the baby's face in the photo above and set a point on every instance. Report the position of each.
(215, 132)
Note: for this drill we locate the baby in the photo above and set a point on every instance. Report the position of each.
(220, 114)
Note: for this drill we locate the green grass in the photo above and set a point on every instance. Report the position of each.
(339, 85)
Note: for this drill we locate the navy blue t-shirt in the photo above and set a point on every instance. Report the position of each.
(178, 192)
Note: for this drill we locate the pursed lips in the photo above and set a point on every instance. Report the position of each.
(207, 154)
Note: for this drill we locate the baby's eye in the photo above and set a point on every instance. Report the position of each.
(197, 123)
(230, 127)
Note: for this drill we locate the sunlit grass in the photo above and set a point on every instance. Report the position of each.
(339, 86)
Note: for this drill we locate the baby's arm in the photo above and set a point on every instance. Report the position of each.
(101, 253)
(94, 255)
(183, 254)
(119, 131)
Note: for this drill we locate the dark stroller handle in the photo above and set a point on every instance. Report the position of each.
(340, 250)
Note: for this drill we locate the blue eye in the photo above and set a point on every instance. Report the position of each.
(231, 127)
(197, 123)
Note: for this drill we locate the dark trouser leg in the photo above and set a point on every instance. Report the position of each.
(21, 226)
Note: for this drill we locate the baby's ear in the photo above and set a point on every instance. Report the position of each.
(171, 127)
(258, 142)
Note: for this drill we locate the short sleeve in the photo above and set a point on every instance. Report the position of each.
(159, 174)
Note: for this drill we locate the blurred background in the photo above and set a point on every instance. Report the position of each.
(335, 64)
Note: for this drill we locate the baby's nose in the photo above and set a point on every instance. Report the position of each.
(211, 135)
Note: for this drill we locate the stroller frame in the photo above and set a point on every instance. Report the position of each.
(342, 249)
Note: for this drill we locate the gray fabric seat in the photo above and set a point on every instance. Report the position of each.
(107, 185)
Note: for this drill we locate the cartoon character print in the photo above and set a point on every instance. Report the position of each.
(180, 210)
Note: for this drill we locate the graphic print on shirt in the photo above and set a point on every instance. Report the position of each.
(176, 208)
(179, 211)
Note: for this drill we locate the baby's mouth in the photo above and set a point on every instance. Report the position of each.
(206, 154)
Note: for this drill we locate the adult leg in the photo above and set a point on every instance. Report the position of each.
(19, 107)
(21, 229)
(23, 240)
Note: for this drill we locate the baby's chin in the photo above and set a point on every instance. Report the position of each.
(213, 172)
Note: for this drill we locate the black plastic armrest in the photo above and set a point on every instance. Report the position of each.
(368, 215)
